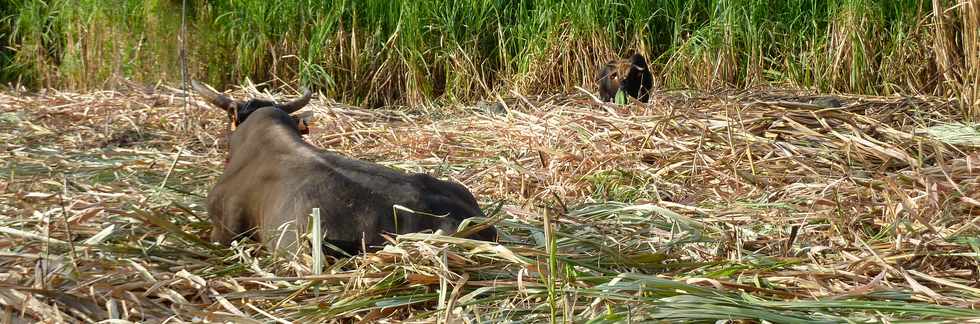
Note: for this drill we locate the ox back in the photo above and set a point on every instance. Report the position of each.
(274, 179)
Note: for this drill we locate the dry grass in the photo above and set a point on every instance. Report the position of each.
(696, 207)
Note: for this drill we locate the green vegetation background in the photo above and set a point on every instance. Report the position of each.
(377, 52)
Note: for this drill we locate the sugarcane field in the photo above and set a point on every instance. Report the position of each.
(499, 161)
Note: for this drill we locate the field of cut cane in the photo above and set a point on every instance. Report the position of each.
(758, 206)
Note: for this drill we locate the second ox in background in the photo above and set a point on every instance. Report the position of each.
(633, 77)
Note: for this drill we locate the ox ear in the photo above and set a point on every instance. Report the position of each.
(303, 121)
(293, 106)
(215, 98)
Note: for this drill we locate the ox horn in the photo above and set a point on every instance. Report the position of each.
(216, 99)
(293, 106)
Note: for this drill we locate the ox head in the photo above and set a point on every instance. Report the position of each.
(638, 63)
(238, 111)
(611, 77)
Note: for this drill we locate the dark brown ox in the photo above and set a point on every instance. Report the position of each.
(631, 76)
(639, 80)
(274, 179)
(610, 78)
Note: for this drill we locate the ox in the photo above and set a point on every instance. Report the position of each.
(633, 77)
(274, 178)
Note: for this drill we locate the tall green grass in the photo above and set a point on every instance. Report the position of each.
(377, 52)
